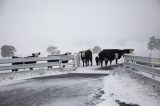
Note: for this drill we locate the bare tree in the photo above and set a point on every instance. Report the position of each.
(53, 50)
(7, 51)
(154, 43)
(96, 49)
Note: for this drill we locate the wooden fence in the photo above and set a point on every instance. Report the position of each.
(145, 67)
(73, 62)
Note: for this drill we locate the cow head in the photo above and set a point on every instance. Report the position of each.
(83, 54)
(36, 54)
(68, 53)
(127, 51)
(116, 55)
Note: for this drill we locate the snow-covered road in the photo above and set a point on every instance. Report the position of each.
(63, 90)
(87, 86)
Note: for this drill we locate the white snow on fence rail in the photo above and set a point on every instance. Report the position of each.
(142, 59)
(144, 65)
(6, 64)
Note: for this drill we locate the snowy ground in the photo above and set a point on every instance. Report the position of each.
(116, 89)
(120, 86)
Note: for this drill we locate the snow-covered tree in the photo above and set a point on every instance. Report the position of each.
(53, 50)
(96, 49)
(154, 43)
(7, 51)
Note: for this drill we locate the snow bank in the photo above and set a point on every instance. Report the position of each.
(120, 86)
(11, 77)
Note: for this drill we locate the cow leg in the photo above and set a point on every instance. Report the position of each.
(86, 63)
(97, 63)
(106, 62)
(116, 61)
(31, 68)
(91, 62)
(49, 66)
(63, 66)
(101, 63)
(83, 63)
(110, 62)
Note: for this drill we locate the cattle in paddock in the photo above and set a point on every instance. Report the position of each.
(97, 60)
(106, 55)
(86, 57)
(111, 54)
(16, 63)
(32, 62)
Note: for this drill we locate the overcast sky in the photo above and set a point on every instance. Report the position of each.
(74, 25)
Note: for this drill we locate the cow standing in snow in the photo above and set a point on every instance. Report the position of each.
(111, 54)
(97, 60)
(86, 57)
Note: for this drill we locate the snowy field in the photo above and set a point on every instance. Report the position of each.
(89, 86)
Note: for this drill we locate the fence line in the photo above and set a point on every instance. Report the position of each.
(144, 64)
(153, 61)
(73, 60)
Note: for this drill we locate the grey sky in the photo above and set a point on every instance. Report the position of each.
(74, 25)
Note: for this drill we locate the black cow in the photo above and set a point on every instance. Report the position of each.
(32, 62)
(16, 63)
(111, 54)
(97, 60)
(86, 56)
(106, 55)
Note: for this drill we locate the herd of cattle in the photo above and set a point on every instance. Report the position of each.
(105, 55)
(86, 57)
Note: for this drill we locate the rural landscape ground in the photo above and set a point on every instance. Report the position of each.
(87, 86)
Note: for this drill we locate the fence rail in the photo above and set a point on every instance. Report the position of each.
(153, 61)
(144, 64)
(73, 60)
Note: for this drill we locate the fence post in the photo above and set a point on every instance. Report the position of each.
(75, 62)
(151, 64)
(79, 60)
(124, 66)
(61, 64)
